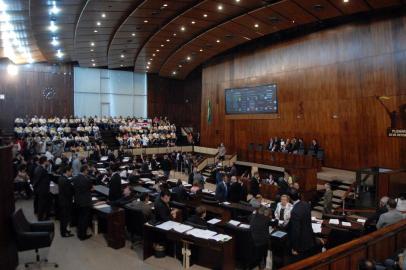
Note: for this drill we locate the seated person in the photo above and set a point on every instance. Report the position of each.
(115, 189)
(221, 191)
(199, 217)
(21, 181)
(391, 217)
(180, 191)
(236, 191)
(401, 202)
(382, 208)
(162, 210)
(142, 204)
(282, 212)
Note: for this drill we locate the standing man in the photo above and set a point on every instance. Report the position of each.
(327, 199)
(221, 191)
(222, 151)
(65, 200)
(166, 166)
(115, 189)
(83, 199)
(302, 240)
(76, 164)
(41, 189)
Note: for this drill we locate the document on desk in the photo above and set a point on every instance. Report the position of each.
(214, 221)
(221, 238)
(99, 206)
(245, 226)
(94, 199)
(187, 185)
(234, 222)
(226, 203)
(278, 234)
(145, 179)
(181, 228)
(360, 220)
(199, 233)
(346, 224)
(124, 182)
(334, 221)
(168, 225)
(316, 227)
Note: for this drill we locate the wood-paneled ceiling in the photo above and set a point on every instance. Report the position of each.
(167, 37)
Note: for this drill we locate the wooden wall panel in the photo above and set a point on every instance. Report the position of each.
(336, 75)
(179, 100)
(24, 92)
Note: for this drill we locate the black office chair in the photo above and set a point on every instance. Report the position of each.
(135, 221)
(33, 236)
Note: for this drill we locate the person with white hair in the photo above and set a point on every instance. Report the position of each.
(382, 208)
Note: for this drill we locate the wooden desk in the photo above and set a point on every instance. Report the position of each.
(208, 253)
(115, 223)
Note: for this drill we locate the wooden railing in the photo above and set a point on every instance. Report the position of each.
(377, 246)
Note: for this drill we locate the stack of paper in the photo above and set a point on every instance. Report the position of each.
(104, 158)
(334, 221)
(181, 228)
(234, 222)
(205, 234)
(360, 220)
(245, 226)
(167, 226)
(316, 227)
(221, 238)
(347, 224)
(278, 234)
(213, 221)
(226, 203)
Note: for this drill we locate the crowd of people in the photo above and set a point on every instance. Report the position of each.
(132, 132)
(293, 145)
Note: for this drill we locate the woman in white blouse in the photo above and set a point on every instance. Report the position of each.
(282, 212)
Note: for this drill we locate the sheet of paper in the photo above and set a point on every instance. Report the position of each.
(316, 227)
(145, 179)
(334, 221)
(214, 221)
(168, 225)
(124, 182)
(221, 238)
(204, 234)
(104, 158)
(181, 228)
(226, 203)
(104, 205)
(245, 226)
(94, 199)
(360, 220)
(347, 224)
(234, 222)
(278, 234)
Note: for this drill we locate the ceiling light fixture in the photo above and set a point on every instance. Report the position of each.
(256, 25)
(145, 21)
(59, 54)
(54, 41)
(205, 15)
(98, 23)
(182, 28)
(52, 26)
(121, 65)
(95, 31)
(193, 22)
(173, 72)
(92, 60)
(168, 40)
(92, 44)
(157, 50)
(54, 9)
(220, 7)
(188, 58)
(218, 41)
(94, 64)
(122, 56)
(133, 34)
(174, 34)
(103, 15)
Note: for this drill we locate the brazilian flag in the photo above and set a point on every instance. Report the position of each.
(209, 112)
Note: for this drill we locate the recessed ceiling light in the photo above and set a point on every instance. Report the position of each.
(162, 45)
(59, 54)
(346, 1)
(182, 28)
(173, 72)
(188, 58)
(103, 15)
(149, 63)
(54, 41)
(168, 40)
(180, 66)
(256, 25)
(174, 34)
(238, 1)
(91, 50)
(157, 50)
(133, 34)
(193, 22)
(165, 5)
(98, 23)
(218, 41)
(52, 27)
(121, 65)
(94, 64)
(146, 21)
(293, 21)
(220, 7)
(153, 55)
(95, 31)
(92, 44)
(147, 67)
(122, 56)
(205, 15)
(54, 9)
(201, 50)
(92, 60)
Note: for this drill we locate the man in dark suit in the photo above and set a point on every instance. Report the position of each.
(166, 166)
(255, 184)
(180, 191)
(301, 237)
(162, 210)
(83, 199)
(236, 193)
(198, 217)
(115, 189)
(41, 189)
(65, 200)
(221, 191)
(259, 226)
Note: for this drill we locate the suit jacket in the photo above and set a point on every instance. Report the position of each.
(65, 195)
(221, 192)
(41, 181)
(82, 190)
(235, 192)
(375, 217)
(259, 226)
(391, 217)
(283, 187)
(162, 211)
(300, 228)
(115, 190)
(254, 186)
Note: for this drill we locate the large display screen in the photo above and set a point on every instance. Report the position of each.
(252, 100)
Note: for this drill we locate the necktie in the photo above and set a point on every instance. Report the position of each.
(282, 214)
